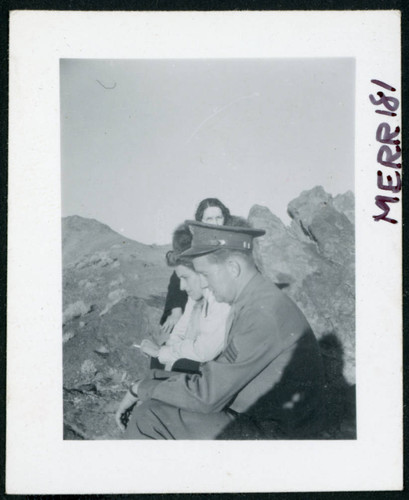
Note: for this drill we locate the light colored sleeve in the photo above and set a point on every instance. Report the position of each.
(166, 353)
(179, 331)
(211, 337)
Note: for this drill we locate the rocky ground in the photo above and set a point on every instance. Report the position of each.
(114, 292)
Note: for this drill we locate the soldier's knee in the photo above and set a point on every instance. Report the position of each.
(142, 414)
(138, 425)
(146, 416)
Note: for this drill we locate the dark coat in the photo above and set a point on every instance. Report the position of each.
(174, 298)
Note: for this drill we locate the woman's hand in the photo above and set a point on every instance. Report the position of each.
(127, 401)
(172, 319)
(149, 347)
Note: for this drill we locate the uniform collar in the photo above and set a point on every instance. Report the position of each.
(249, 288)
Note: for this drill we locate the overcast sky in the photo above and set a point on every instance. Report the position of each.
(143, 141)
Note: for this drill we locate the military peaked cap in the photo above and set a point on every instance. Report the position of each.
(208, 238)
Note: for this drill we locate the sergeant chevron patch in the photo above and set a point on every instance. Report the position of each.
(231, 352)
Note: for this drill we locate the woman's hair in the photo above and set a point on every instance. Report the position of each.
(181, 241)
(212, 202)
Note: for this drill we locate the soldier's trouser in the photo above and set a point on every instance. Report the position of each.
(156, 420)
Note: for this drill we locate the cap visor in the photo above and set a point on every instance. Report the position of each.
(196, 251)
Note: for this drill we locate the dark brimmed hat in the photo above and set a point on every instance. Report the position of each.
(208, 238)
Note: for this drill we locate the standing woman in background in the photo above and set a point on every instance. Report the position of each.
(209, 211)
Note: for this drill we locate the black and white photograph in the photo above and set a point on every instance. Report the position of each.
(263, 149)
(209, 224)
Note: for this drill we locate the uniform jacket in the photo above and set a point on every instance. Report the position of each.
(270, 367)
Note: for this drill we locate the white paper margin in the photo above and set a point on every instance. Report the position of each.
(38, 460)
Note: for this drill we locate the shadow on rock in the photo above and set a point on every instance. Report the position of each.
(293, 408)
(311, 400)
(340, 396)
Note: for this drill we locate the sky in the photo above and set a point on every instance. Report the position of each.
(144, 141)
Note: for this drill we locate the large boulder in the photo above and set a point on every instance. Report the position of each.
(314, 212)
(313, 262)
(345, 203)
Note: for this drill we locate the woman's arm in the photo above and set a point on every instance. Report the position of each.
(166, 354)
(211, 335)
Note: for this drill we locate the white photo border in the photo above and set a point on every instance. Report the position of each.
(38, 460)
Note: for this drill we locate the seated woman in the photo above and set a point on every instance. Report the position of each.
(199, 335)
(210, 211)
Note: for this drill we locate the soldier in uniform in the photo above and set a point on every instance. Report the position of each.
(267, 383)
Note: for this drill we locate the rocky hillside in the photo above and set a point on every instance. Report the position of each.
(113, 295)
(114, 290)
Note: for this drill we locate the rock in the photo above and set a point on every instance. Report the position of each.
(113, 298)
(126, 323)
(99, 268)
(88, 368)
(96, 259)
(280, 254)
(302, 210)
(102, 350)
(100, 363)
(75, 310)
(313, 262)
(345, 203)
(118, 281)
(318, 219)
(67, 336)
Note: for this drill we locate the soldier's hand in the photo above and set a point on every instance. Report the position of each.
(127, 401)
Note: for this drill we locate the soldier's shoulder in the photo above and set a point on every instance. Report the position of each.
(263, 289)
